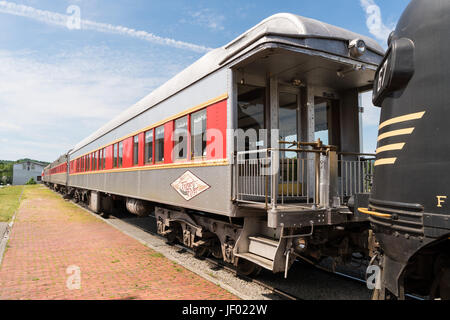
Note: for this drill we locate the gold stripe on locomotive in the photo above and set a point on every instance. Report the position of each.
(391, 147)
(408, 117)
(395, 133)
(385, 161)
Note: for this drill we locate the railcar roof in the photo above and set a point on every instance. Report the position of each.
(282, 24)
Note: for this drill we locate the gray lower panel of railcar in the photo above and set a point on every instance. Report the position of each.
(155, 185)
(57, 179)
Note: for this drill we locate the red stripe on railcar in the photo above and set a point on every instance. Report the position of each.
(109, 157)
(127, 161)
(168, 143)
(216, 124)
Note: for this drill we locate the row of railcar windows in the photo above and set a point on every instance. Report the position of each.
(91, 162)
(59, 169)
(154, 144)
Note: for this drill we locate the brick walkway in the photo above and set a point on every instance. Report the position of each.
(50, 234)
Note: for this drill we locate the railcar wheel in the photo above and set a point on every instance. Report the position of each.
(201, 252)
(444, 285)
(216, 251)
(441, 284)
(247, 268)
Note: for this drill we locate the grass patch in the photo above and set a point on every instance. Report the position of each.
(157, 255)
(9, 202)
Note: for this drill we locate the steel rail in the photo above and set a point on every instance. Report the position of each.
(282, 293)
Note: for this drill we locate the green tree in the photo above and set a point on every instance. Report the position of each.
(31, 181)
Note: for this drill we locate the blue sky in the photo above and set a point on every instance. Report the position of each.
(58, 85)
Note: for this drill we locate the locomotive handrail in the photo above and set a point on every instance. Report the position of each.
(374, 213)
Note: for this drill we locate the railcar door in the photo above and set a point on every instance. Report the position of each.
(327, 126)
(252, 117)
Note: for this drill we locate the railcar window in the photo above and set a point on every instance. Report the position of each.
(198, 134)
(159, 144)
(136, 150)
(180, 138)
(120, 154)
(104, 159)
(149, 146)
(115, 156)
(95, 161)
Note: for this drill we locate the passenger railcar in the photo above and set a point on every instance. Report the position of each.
(409, 203)
(251, 154)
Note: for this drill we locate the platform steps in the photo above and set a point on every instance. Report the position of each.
(261, 251)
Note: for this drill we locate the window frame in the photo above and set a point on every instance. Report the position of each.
(104, 159)
(120, 155)
(136, 148)
(156, 160)
(187, 142)
(192, 145)
(146, 158)
(115, 155)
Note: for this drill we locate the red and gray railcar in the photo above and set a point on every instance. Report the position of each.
(251, 154)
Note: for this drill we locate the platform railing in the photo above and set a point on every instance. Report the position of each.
(268, 176)
(356, 173)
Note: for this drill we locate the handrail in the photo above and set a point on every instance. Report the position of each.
(356, 154)
(271, 187)
(374, 213)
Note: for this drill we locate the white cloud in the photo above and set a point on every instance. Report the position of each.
(374, 20)
(48, 104)
(207, 18)
(61, 20)
(5, 126)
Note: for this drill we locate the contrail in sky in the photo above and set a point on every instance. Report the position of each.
(62, 20)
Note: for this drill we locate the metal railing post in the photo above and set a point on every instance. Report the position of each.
(317, 180)
(274, 175)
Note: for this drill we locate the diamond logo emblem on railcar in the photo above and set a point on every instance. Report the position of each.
(189, 186)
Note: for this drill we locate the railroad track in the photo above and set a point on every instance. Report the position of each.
(283, 294)
(214, 262)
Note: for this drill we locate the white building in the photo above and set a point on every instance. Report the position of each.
(25, 170)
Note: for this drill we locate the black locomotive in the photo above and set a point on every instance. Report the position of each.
(409, 205)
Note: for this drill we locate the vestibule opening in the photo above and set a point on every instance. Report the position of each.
(251, 113)
(301, 104)
(327, 125)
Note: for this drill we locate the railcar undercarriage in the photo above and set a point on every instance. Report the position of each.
(220, 237)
